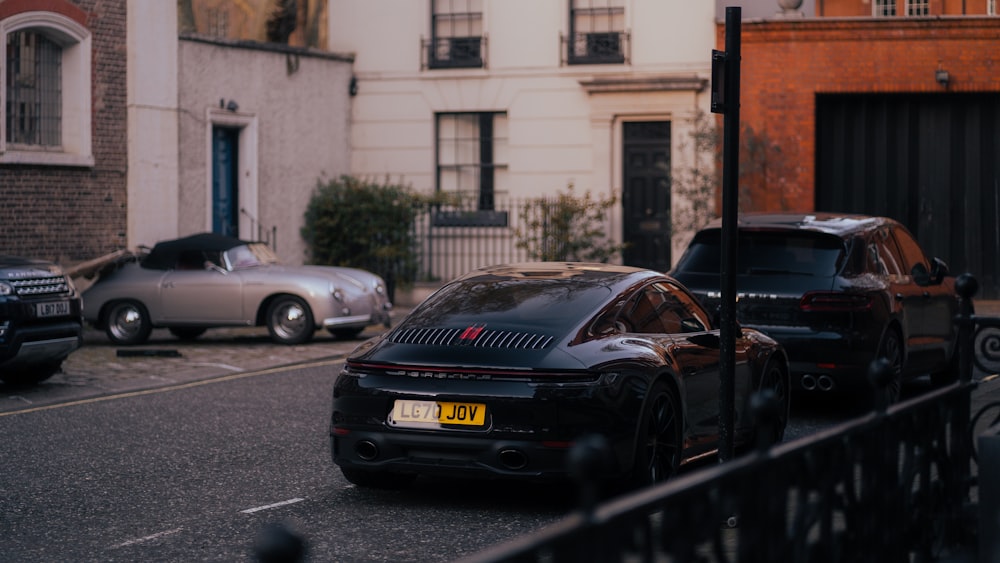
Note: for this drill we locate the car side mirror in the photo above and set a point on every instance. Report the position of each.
(939, 270)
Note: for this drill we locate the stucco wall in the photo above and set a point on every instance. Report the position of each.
(293, 111)
(560, 130)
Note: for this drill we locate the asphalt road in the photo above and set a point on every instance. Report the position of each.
(196, 473)
(192, 457)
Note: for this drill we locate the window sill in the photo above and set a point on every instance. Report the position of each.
(47, 158)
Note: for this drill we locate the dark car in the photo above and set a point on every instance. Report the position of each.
(497, 373)
(838, 291)
(40, 319)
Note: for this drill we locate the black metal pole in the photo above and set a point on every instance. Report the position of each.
(730, 208)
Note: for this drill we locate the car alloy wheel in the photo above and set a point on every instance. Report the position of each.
(891, 349)
(289, 321)
(128, 323)
(658, 453)
(775, 380)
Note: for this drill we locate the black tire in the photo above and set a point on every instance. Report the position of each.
(891, 348)
(127, 322)
(660, 439)
(187, 332)
(31, 375)
(774, 378)
(378, 479)
(346, 333)
(289, 321)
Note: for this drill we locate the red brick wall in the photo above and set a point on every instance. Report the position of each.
(786, 63)
(72, 214)
(854, 8)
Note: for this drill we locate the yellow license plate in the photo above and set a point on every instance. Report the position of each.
(407, 412)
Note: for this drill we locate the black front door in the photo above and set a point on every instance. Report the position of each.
(646, 194)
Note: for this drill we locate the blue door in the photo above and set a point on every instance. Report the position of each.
(225, 181)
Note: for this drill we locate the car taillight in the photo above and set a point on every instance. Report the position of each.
(832, 302)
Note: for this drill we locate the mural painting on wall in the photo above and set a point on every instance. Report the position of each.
(299, 23)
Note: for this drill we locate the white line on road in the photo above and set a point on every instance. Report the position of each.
(275, 505)
(232, 377)
(147, 538)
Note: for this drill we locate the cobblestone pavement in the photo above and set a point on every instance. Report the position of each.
(101, 368)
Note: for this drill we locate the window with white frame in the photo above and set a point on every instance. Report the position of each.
(918, 7)
(456, 34)
(45, 91)
(991, 7)
(883, 8)
(597, 32)
(472, 155)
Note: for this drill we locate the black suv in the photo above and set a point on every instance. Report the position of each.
(837, 291)
(41, 320)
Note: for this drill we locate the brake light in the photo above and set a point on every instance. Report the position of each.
(833, 302)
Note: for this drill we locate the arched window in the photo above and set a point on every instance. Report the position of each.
(45, 91)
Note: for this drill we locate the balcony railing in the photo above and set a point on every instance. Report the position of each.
(605, 47)
(453, 52)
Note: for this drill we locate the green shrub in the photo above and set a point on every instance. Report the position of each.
(567, 228)
(363, 224)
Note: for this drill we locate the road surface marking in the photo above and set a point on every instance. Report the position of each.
(275, 505)
(147, 538)
(235, 376)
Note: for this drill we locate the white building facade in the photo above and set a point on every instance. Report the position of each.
(512, 99)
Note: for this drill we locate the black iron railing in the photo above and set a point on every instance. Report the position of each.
(893, 485)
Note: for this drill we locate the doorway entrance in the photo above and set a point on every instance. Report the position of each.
(646, 194)
(225, 181)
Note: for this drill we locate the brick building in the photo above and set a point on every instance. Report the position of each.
(896, 115)
(63, 141)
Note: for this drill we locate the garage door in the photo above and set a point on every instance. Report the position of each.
(931, 161)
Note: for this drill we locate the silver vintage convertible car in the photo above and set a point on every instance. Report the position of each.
(191, 284)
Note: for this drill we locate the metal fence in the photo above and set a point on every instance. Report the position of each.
(893, 485)
(453, 240)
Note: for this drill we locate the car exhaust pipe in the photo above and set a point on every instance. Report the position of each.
(366, 450)
(808, 382)
(513, 459)
(825, 383)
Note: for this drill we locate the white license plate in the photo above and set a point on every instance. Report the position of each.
(52, 309)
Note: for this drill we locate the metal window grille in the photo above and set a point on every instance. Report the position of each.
(34, 90)
(597, 32)
(471, 155)
(882, 8)
(218, 22)
(918, 7)
(457, 38)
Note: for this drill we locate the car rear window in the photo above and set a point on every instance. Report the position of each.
(767, 252)
(552, 306)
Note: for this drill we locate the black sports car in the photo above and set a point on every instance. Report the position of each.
(498, 372)
(837, 291)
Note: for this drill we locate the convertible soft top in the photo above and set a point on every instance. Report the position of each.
(165, 253)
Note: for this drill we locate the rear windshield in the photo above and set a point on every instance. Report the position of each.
(547, 305)
(764, 252)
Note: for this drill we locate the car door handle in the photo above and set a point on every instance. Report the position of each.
(899, 297)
